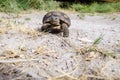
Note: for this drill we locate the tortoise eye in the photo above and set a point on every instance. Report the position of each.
(54, 18)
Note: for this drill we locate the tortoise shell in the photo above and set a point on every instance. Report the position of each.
(62, 17)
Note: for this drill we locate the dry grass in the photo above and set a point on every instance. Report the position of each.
(3, 30)
(21, 28)
(39, 51)
(6, 54)
(94, 49)
(6, 27)
(31, 32)
(65, 75)
(21, 60)
(91, 48)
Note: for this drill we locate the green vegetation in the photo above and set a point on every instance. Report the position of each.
(98, 40)
(27, 19)
(97, 7)
(18, 5)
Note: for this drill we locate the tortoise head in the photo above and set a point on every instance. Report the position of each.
(55, 21)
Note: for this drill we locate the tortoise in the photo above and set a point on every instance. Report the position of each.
(56, 22)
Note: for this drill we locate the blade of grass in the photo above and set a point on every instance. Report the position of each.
(98, 40)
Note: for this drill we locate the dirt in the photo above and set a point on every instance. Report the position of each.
(27, 54)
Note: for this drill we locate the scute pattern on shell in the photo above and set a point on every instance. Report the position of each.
(62, 16)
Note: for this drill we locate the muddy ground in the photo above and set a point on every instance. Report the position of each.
(28, 54)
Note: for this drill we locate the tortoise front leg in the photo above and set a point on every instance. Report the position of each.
(65, 30)
(45, 27)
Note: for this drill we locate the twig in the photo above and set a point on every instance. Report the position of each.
(17, 60)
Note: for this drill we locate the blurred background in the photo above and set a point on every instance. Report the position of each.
(85, 6)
